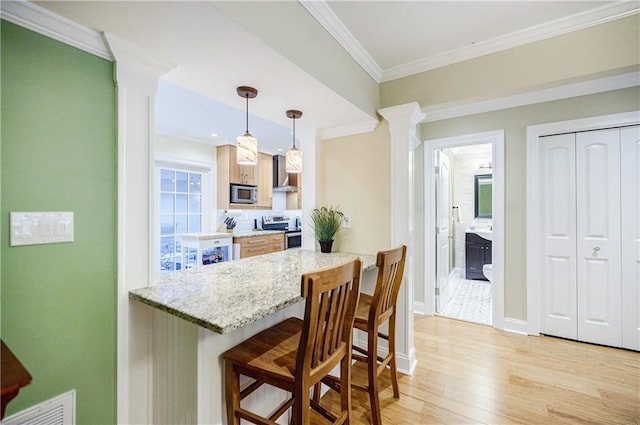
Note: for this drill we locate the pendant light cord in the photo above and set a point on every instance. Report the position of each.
(294, 133)
(247, 111)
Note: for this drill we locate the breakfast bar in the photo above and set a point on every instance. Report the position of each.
(200, 313)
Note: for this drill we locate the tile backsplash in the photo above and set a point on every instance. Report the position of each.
(246, 219)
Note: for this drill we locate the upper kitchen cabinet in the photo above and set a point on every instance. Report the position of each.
(239, 174)
(294, 199)
(265, 181)
(230, 173)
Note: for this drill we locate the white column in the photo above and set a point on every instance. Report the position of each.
(136, 76)
(310, 147)
(404, 130)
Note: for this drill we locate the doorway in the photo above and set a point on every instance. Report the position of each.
(464, 183)
(464, 216)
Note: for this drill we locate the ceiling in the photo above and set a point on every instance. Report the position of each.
(212, 55)
(405, 37)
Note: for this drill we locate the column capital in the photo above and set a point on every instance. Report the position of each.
(135, 68)
(408, 114)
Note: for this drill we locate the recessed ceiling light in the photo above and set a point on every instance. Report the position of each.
(214, 134)
(280, 149)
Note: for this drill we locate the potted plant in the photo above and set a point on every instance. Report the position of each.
(326, 222)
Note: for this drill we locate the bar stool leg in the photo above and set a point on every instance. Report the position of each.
(392, 351)
(372, 371)
(232, 396)
(345, 386)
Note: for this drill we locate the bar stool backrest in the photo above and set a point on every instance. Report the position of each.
(390, 271)
(331, 298)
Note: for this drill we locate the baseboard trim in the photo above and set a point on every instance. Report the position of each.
(516, 326)
(407, 363)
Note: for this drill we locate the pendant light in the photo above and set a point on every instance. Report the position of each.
(247, 145)
(294, 156)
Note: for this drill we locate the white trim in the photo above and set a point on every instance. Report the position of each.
(496, 138)
(349, 130)
(516, 326)
(406, 363)
(543, 31)
(42, 21)
(334, 26)
(454, 110)
(185, 163)
(534, 225)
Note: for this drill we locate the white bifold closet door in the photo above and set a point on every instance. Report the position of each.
(630, 193)
(598, 237)
(591, 249)
(558, 174)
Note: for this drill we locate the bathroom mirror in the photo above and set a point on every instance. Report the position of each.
(483, 195)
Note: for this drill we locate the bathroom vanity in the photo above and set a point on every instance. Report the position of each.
(477, 253)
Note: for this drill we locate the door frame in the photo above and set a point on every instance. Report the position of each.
(534, 194)
(496, 138)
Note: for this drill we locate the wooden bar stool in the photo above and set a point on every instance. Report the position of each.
(295, 354)
(372, 312)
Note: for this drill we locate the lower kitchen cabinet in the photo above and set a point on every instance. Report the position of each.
(251, 246)
(477, 254)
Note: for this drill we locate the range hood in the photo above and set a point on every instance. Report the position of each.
(280, 176)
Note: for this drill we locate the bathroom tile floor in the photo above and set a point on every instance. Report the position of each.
(469, 300)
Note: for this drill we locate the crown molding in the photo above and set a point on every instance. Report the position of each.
(334, 26)
(550, 29)
(42, 21)
(450, 110)
(349, 130)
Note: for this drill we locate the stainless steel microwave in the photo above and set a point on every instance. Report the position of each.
(242, 194)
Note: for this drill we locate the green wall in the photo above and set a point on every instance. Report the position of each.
(515, 121)
(59, 154)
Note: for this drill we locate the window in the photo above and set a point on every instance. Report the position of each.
(180, 212)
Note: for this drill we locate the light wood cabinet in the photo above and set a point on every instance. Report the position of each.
(260, 244)
(239, 174)
(265, 181)
(231, 172)
(294, 199)
(276, 242)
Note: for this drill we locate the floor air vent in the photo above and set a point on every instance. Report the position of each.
(60, 410)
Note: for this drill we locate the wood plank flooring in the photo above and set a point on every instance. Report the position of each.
(473, 374)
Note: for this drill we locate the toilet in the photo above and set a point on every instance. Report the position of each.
(487, 270)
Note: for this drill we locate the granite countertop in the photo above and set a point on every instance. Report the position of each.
(226, 296)
(257, 233)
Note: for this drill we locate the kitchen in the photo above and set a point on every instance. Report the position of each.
(196, 138)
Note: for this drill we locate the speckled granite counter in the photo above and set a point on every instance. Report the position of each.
(227, 296)
(257, 233)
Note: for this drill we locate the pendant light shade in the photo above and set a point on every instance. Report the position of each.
(294, 155)
(247, 145)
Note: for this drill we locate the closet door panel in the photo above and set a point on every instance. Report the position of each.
(559, 227)
(630, 193)
(598, 237)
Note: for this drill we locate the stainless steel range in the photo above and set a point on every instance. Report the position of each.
(292, 236)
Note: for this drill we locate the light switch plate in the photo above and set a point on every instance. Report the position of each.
(346, 221)
(32, 228)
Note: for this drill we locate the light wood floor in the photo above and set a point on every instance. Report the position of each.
(473, 374)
